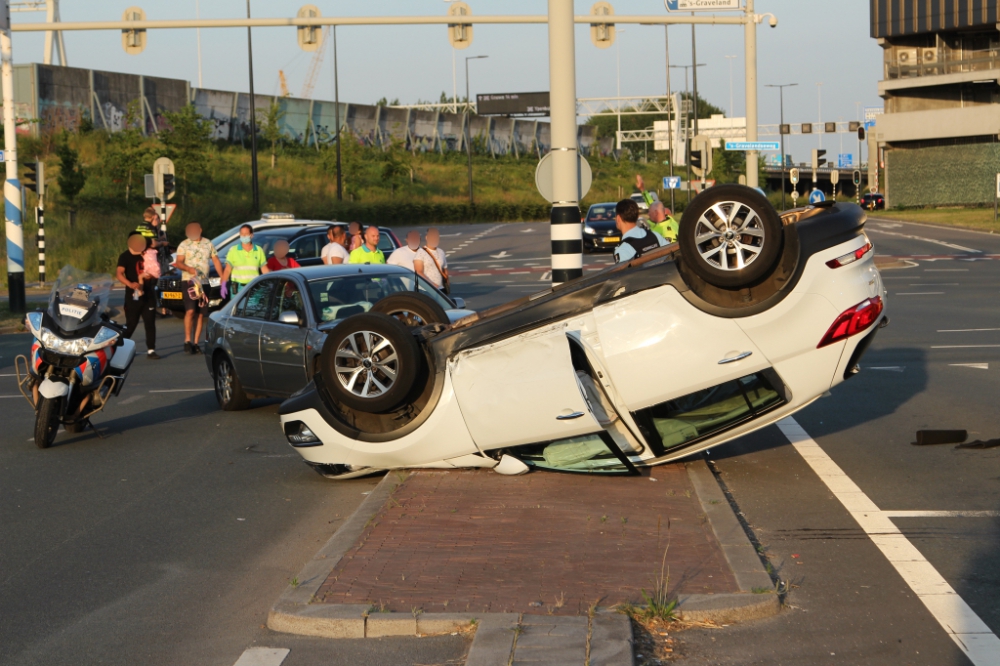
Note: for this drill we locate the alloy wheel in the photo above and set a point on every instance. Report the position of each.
(224, 382)
(730, 236)
(366, 364)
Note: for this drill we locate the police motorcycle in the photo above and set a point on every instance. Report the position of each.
(79, 357)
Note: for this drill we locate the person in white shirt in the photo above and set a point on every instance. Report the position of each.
(335, 252)
(405, 255)
(431, 261)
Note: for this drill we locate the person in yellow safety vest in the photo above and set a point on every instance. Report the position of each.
(368, 252)
(662, 223)
(244, 262)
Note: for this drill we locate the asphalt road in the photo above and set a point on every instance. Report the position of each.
(167, 541)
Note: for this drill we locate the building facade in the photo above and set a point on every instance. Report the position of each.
(939, 137)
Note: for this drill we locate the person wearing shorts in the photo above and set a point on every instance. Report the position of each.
(193, 255)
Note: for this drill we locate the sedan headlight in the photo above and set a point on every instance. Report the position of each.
(588, 229)
(214, 282)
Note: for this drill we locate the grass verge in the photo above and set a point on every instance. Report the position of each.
(980, 219)
(14, 322)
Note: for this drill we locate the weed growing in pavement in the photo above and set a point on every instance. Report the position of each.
(762, 590)
(416, 612)
(659, 605)
(294, 582)
(604, 519)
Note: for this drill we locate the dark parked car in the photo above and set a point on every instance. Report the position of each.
(599, 230)
(873, 201)
(306, 239)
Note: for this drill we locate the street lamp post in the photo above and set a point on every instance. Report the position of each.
(468, 134)
(253, 125)
(618, 77)
(336, 114)
(732, 109)
(781, 98)
(670, 110)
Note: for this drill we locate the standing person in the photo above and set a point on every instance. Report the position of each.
(432, 263)
(193, 255)
(661, 222)
(244, 262)
(335, 252)
(636, 241)
(140, 298)
(368, 253)
(404, 256)
(157, 245)
(355, 235)
(280, 258)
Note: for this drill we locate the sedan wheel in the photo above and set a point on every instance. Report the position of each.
(228, 389)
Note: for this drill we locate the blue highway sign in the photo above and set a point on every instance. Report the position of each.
(753, 145)
(671, 182)
(845, 160)
(816, 196)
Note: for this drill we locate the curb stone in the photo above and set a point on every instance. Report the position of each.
(739, 552)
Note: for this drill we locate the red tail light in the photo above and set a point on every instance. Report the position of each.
(853, 321)
(850, 257)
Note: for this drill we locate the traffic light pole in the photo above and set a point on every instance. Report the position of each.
(12, 187)
(40, 220)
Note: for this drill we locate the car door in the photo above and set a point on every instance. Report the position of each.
(522, 390)
(282, 346)
(242, 332)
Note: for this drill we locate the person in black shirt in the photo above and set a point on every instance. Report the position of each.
(140, 296)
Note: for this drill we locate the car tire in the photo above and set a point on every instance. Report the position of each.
(228, 388)
(412, 309)
(370, 362)
(730, 236)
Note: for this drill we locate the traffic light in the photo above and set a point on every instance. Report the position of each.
(857, 176)
(697, 162)
(861, 134)
(818, 159)
(30, 180)
(168, 185)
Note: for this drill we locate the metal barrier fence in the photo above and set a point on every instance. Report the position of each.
(51, 98)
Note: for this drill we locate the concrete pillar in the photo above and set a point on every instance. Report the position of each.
(566, 229)
(12, 188)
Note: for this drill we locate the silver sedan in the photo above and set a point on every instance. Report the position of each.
(267, 340)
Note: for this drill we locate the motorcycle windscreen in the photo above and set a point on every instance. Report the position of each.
(79, 298)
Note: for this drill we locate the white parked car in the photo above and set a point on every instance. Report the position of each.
(750, 317)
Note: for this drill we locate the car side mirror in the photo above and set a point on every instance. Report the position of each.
(290, 317)
(459, 302)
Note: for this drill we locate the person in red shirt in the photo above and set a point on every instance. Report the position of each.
(280, 258)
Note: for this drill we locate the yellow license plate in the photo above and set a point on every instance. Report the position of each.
(173, 295)
(611, 239)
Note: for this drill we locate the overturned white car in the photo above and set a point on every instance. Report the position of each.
(749, 318)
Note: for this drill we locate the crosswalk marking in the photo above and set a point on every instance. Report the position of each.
(261, 656)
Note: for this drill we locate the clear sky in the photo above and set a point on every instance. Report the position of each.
(815, 42)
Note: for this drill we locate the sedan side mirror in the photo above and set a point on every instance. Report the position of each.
(290, 317)
(459, 303)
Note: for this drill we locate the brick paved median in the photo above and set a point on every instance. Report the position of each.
(543, 543)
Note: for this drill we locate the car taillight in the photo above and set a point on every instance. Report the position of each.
(853, 321)
(850, 257)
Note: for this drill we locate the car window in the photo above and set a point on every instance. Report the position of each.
(701, 414)
(338, 297)
(255, 304)
(307, 247)
(601, 213)
(385, 243)
(287, 297)
(587, 453)
(265, 239)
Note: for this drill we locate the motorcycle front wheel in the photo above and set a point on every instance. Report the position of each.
(47, 421)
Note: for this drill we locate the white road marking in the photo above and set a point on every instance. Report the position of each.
(959, 621)
(479, 274)
(8, 375)
(9, 396)
(918, 293)
(526, 231)
(261, 656)
(546, 276)
(894, 368)
(977, 366)
(934, 284)
(965, 330)
(198, 390)
(502, 255)
(519, 273)
(963, 346)
(942, 514)
(946, 270)
(926, 240)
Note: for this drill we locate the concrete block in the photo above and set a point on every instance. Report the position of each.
(494, 640)
(611, 640)
(325, 621)
(440, 623)
(727, 608)
(391, 624)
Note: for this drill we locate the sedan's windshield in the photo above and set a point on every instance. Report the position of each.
(338, 297)
(601, 213)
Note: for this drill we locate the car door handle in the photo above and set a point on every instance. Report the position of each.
(569, 417)
(733, 359)
(229, 332)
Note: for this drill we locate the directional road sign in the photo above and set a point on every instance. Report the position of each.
(753, 145)
(3, 158)
(671, 182)
(845, 160)
(701, 5)
(816, 196)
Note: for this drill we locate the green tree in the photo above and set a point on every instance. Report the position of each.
(271, 130)
(72, 176)
(127, 153)
(186, 141)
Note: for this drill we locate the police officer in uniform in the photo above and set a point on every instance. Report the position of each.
(636, 241)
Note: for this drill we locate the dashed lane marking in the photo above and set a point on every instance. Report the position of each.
(959, 621)
(926, 240)
(942, 514)
(966, 330)
(963, 346)
(946, 270)
(191, 390)
(918, 293)
(261, 656)
(976, 366)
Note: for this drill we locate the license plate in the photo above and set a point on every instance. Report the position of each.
(611, 239)
(173, 295)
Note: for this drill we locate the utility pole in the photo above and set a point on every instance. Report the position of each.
(566, 229)
(197, 14)
(819, 110)
(468, 134)
(694, 79)
(11, 188)
(253, 125)
(671, 112)
(781, 97)
(732, 109)
(336, 115)
(750, 40)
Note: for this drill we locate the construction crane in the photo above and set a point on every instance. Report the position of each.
(284, 84)
(314, 66)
